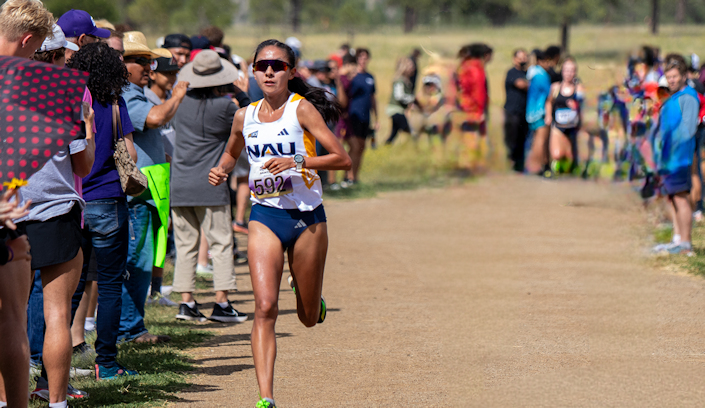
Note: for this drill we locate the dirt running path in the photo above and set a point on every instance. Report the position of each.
(505, 293)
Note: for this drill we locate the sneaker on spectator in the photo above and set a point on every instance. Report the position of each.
(204, 271)
(161, 300)
(35, 369)
(227, 314)
(41, 391)
(89, 325)
(108, 373)
(190, 313)
(76, 372)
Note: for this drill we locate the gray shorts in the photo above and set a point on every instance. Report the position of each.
(242, 167)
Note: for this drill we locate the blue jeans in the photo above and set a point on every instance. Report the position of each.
(107, 232)
(35, 319)
(140, 259)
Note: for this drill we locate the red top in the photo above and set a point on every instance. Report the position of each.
(472, 88)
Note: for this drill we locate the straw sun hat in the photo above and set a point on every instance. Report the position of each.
(135, 43)
(208, 69)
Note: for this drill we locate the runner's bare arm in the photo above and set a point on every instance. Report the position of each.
(232, 151)
(312, 121)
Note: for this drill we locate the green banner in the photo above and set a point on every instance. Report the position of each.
(158, 176)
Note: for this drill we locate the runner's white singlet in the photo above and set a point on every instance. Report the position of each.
(285, 137)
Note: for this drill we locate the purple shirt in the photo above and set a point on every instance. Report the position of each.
(104, 181)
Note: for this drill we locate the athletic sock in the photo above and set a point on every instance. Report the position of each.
(676, 239)
(190, 304)
(61, 404)
(156, 285)
(224, 305)
(3, 404)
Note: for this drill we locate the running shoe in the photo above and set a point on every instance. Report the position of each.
(661, 247)
(227, 315)
(41, 391)
(160, 300)
(204, 271)
(291, 283)
(109, 373)
(240, 227)
(335, 187)
(190, 313)
(265, 403)
(239, 257)
(323, 310)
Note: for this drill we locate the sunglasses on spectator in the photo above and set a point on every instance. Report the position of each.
(277, 65)
(139, 60)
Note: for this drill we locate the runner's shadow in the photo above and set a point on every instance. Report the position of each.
(225, 369)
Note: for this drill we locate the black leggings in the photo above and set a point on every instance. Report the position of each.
(399, 122)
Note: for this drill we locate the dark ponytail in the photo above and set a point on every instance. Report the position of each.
(329, 109)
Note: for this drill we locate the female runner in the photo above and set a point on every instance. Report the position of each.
(564, 113)
(280, 134)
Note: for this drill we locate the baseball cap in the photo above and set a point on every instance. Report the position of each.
(319, 65)
(77, 22)
(176, 41)
(57, 40)
(662, 82)
(200, 42)
(162, 64)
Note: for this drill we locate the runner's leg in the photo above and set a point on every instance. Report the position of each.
(307, 260)
(266, 261)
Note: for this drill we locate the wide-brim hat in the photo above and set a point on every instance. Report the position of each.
(208, 69)
(135, 43)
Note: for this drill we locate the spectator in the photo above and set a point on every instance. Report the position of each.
(516, 129)
(402, 98)
(361, 101)
(145, 220)
(161, 84)
(203, 125)
(180, 47)
(674, 150)
(553, 55)
(472, 99)
(414, 57)
(115, 41)
(106, 227)
(539, 87)
(24, 25)
(79, 28)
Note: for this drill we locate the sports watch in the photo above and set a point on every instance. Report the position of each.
(299, 160)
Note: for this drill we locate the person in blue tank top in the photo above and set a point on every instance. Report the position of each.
(539, 88)
(283, 217)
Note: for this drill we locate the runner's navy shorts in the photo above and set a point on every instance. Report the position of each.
(287, 225)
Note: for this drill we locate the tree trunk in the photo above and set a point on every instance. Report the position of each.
(565, 32)
(654, 17)
(409, 19)
(296, 15)
(680, 11)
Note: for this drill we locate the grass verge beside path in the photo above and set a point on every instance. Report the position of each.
(691, 264)
(163, 368)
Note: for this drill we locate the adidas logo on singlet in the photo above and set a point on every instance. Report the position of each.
(283, 133)
(300, 224)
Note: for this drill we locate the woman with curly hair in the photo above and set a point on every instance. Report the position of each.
(106, 228)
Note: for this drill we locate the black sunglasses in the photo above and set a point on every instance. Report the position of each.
(277, 65)
(139, 60)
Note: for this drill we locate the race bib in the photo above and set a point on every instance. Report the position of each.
(566, 117)
(264, 184)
